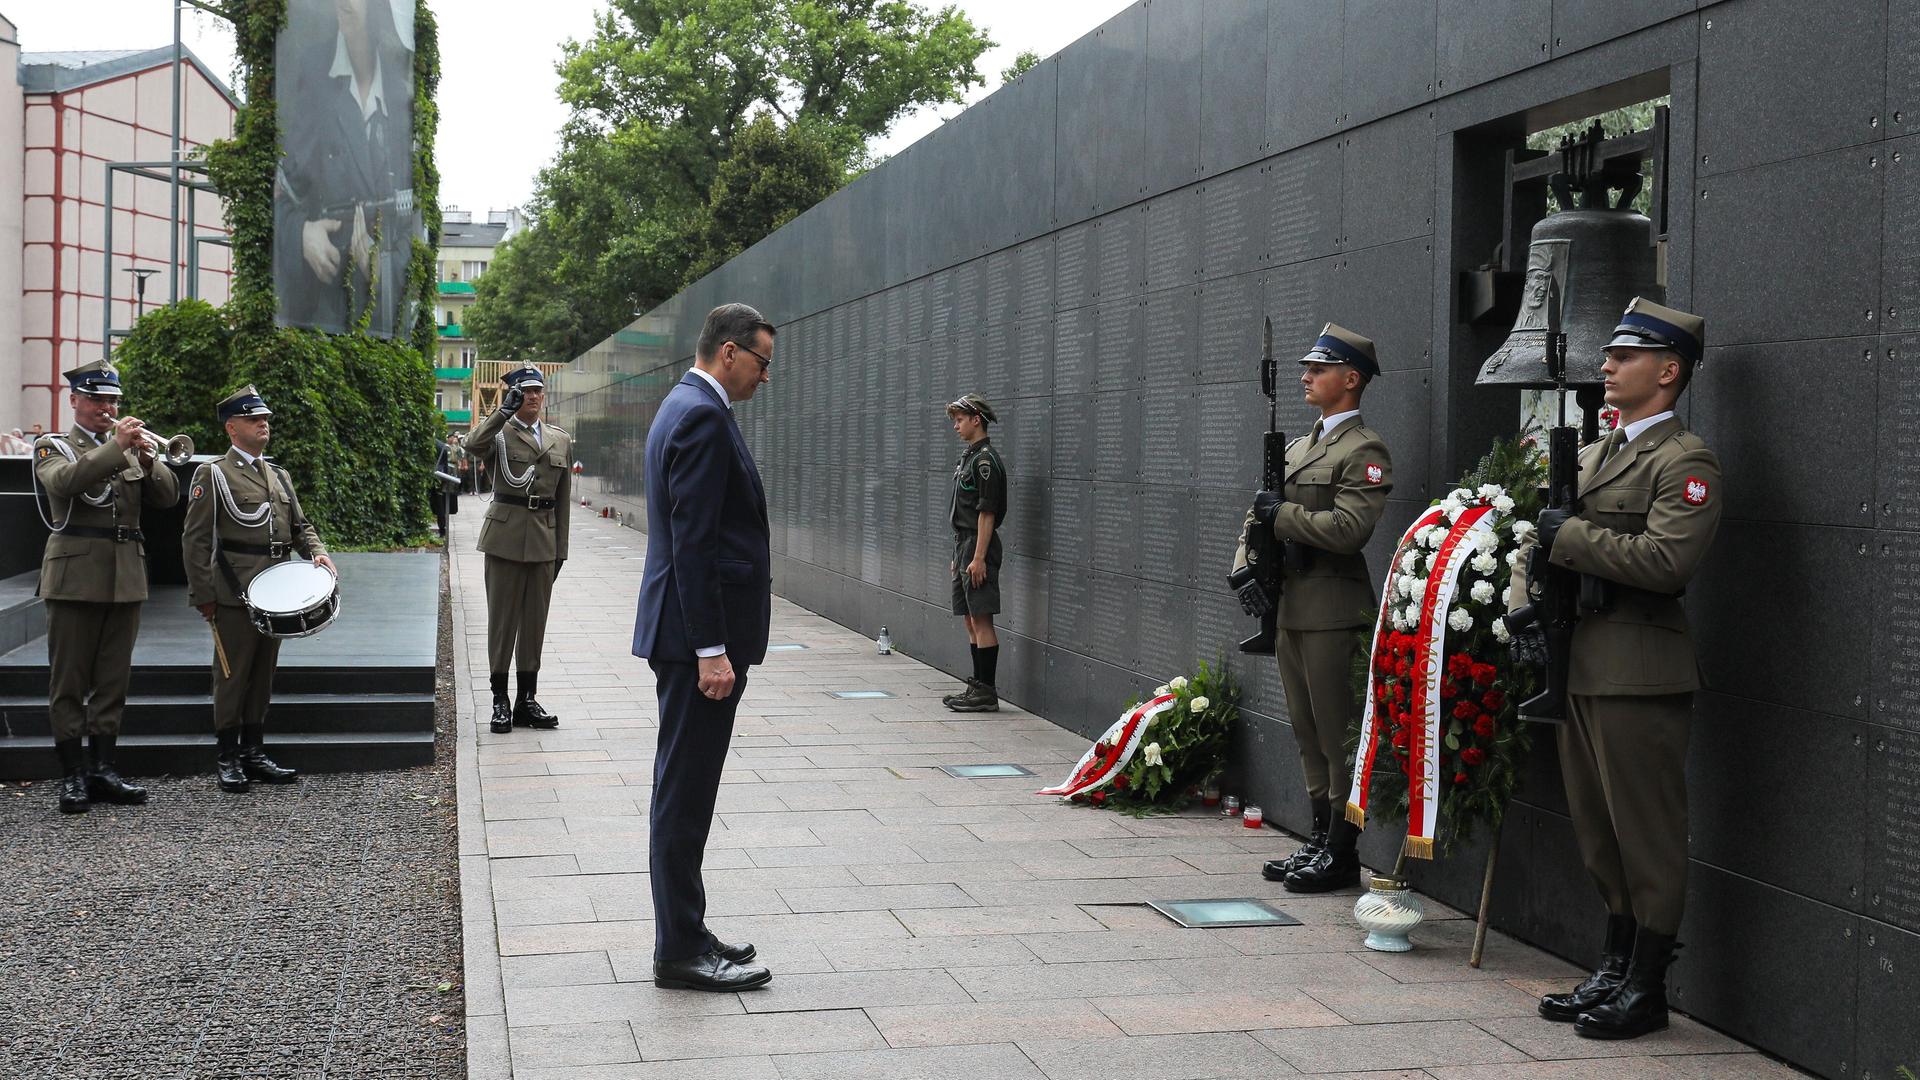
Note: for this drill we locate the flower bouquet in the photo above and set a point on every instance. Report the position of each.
(1161, 748)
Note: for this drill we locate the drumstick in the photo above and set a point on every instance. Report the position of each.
(219, 650)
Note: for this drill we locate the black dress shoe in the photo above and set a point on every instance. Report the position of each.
(233, 778)
(73, 772)
(529, 713)
(502, 721)
(1639, 1007)
(1322, 814)
(254, 760)
(1598, 988)
(739, 954)
(1337, 867)
(103, 781)
(709, 971)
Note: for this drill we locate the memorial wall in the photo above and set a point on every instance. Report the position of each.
(1093, 248)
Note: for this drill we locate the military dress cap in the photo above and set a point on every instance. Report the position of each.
(244, 402)
(526, 378)
(976, 405)
(98, 377)
(1339, 345)
(1647, 325)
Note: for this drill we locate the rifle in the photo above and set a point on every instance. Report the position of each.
(1264, 554)
(1558, 607)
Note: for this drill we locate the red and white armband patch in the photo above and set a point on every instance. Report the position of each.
(1696, 491)
(1375, 474)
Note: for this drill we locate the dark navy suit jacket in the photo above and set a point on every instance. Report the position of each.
(709, 572)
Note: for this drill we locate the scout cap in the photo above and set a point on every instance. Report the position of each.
(526, 378)
(97, 377)
(245, 401)
(1339, 345)
(975, 405)
(1647, 325)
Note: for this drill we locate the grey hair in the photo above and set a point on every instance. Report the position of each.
(737, 323)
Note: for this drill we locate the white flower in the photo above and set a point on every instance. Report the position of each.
(1409, 562)
(1483, 540)
(1513, 559)
(1484, 563)
(1503, 504)
(1399, 621)
(1491, 491)
(1162, 691)
(1199, 705)
(1459, 495)
(1403, 585)
(1151, 755)
(1521, 529)
(1178, 682)
(1482, 591)
(1418, 590)
(1432, 536)
(1500, 631)
(1460, 619)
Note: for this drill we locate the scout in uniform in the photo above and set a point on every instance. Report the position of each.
(1335, 488)
(978, 511)
(93, 576)
(524, 539)
(242, 517)
(1649, 505)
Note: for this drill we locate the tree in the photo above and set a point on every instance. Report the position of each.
(645, 194)
(1025, 62)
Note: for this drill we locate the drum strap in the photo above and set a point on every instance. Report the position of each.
(219, 550)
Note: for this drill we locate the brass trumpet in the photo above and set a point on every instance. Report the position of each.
(177, 450)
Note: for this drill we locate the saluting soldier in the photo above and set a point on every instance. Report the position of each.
(243, 517)
(978, 511)
(524, 539)
(1648, 508)
(93, 576)
(1335, 488)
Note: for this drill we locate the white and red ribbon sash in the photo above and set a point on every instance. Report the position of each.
(1106, 758)
(1429, 672)
(1369, 744)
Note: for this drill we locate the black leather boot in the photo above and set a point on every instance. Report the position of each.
(1599, 986)
(232, 777)
(103, 783)
(502, 722)
(73, 776)
(1639, 1007)
(254, 759)
(1338, 867)
(526, 711)
(1278, 869)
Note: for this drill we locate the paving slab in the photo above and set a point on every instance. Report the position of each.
(922, 927)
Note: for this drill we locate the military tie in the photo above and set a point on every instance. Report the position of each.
(1319, 429)
(1616, 439)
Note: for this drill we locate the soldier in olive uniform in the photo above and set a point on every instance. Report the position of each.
(1649, 505)
(1336, 484)
(93, 576)
(978, 511)
(242, 517)
(524, 539)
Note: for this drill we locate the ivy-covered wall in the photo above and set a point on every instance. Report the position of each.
(354, 420)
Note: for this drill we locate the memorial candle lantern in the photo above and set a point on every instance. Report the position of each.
(1253, 818)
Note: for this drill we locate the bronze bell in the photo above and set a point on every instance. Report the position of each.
(1600, 256)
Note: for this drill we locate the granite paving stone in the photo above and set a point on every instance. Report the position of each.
(991, 1061)
(1167, 1014)
(1230, 1055)
(1387, 1046)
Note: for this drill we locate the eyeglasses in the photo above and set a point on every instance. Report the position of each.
(765, 363)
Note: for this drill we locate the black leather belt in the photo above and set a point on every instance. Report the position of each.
(119, 534)
(275, 550)
(531, 502)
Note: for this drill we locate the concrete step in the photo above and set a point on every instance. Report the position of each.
(30, 680)
(192, 714)
(32, 757)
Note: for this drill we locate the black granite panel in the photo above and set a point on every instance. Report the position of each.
(1819, 575)
(1074, 358)
(1388, 180)
(1034, 278)
(1303, 202)
(1112, 635)
(1162, 536)
(1388, 57)
(1076, 271)
(1114, 508)
(1164, 615)
(1297, 297)
(1219, 624)
(1071, 510)
(1218, 517)
(1021, 436)
(1065, 692)
(1074, 419)
(1233, 84)
(1746, 406)
(1892, 875)
(1820, 213)
(1760, 995)
(1122, 107)
(1123, 246)
(1030, 516)
(1116, 440)
(1232, 417)
(1023, 145)
(1578, 24)
(969, 296)
(1174, 232)
(1070, 606)
(1227, 334)
(994, 378)
(1264, 769)
(1900, 244)
(1168, 337)
(1077, 144)
(1559, 903)
(1032, 345)
(1889, 979)
(1762, 779)
(1000, 286)
(1176, 47)
(1119, 339)
(1234, 222)
(1896, 633)
(940, 321)
(942, 369)
(1167, 424)
(1386, 293)
(1260, 689)
(1023, 596)
(1396, 407)
(1481, 40)
(1763, 98)
(1305, 99)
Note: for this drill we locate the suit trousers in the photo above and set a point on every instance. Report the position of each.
(694, 734)
(89, 652)
(242, 700)
(1316, 672)
(1625, 764)
(518, 594)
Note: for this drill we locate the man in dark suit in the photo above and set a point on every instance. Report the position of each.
(705, 604)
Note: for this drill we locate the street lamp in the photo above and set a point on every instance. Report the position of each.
(140, 276)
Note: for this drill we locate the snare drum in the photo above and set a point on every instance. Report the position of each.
(293, 599)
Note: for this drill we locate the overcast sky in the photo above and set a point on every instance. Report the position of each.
(497, 104)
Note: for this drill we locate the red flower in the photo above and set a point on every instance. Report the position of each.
(1400, 737)
(1120, 782)
(1459, 666)
(1464, 710)
(1494, 700)
(1473, 755)
(1483, 727)
(1459, 778)
(1449, 690)
(1484, 674)
(1098, 796)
